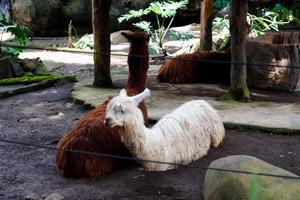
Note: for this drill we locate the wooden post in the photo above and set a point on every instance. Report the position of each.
(238, 30)
(101, 32)
(206, 19)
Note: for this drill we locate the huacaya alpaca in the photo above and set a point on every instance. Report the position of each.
(197, 67)
(90, 133)
(180, 137)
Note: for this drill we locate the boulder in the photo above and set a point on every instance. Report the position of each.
(236, 186)
(51, 18)
(38, 15)
(54, 196)
(10, 67)
(33, 196)
(35, 66)
(117, 37)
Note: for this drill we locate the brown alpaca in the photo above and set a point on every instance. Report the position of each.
(196, 67)
(90, 133)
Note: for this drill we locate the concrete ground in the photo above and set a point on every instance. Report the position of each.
(261, 115)
(272, 111)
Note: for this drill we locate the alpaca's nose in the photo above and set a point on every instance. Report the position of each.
(108, 121)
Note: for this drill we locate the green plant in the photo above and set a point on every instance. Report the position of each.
(176, 35)
(22, 35)
(162, 11)
(272, 19)
(86, 42)
(220, 4)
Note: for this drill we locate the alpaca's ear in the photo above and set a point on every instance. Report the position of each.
(126, 35)
(140, 97)
(123, 93)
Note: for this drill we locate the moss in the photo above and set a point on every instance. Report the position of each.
(28, 79)
(237, 94)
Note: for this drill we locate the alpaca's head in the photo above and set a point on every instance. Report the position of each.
(137, 37)
(123, 109)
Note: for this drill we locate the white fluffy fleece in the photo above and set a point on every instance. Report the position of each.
(182, 136)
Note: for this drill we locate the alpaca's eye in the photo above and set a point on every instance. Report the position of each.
(121, 109)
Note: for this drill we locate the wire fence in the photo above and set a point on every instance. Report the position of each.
(159, 57)
(254, 182)
(191, 166)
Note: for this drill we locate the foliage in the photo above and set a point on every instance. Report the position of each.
(29, 78)
(22, 35)
(162, 11)
(176, 35)
(220, 4)
(86, 42)
(271, 19)
(296, 11)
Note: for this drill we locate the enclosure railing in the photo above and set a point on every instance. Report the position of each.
(96, 154)
(65, 49)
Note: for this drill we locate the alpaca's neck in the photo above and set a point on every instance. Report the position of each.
(138, 62)
(136, 138)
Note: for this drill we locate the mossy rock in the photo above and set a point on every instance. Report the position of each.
(238, 186)
(28, 79)
(10, 67)
(35, 66)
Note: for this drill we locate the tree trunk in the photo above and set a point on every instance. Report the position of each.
(238, 30)
(101, 42)
(206, 19)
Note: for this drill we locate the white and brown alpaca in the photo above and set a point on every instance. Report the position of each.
(182, 136)
(90, 133)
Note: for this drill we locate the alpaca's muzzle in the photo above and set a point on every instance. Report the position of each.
(108, 121)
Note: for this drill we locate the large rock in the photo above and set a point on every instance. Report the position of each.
(235, 186)
(53, 16)
(54, 196)
(35, 66)
(9, 68)
(39, 16)
(48, 18)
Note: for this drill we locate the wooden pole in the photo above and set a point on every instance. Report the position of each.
(101, 32)
(206, 19)
(238, 30)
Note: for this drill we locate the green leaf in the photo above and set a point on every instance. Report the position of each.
(167, 9)
(133, 14)
(145, 26)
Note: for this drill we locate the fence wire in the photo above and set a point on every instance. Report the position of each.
(191, 166)
(38, 146)
(160, 57)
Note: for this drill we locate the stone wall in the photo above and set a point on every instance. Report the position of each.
(51, 17)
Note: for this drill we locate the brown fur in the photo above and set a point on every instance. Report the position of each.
(192, 68)
(186, 68)
(90, 133)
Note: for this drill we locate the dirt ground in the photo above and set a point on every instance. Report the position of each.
(42, 117)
